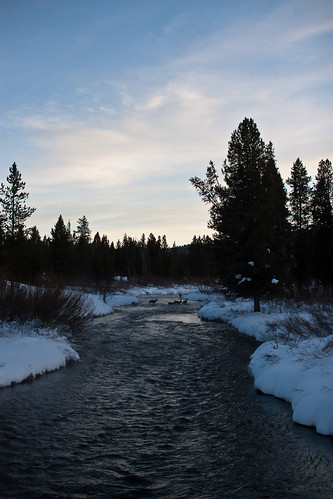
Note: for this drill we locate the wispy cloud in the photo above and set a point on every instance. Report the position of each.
(120, 146)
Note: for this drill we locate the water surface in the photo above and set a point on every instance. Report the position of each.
(161, 405)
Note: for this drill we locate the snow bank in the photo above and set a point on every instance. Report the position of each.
(122, 299)
(302, 375)
(238, 314)
(24, 353)
(300, 372)
(100, 306)
(97, 305)
(22, 357)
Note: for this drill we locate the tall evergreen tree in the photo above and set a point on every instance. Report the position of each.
(177, 270)
(13, 216)
(299, 196)
(153, 250)
(143, 255)
(322, 217)
(250, 231)
(163, 257)
(83, 232)
(300, 211)
(201, 258)
(12, 198)
(322, 195)
(82, 249)
(102, 260)
(61, 246)
(128, 257)
(276, 218)
(34, 255)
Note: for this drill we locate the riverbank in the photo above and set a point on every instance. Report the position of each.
(27, 351)
(298, 370)
(294, 368)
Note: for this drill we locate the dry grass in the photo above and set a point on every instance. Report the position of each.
(297, 326)
(55, 307)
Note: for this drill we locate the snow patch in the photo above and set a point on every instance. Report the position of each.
(22, 357)
(303, 376)
(300, 372)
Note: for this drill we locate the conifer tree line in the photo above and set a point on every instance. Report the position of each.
(77, 257)
(267, 234)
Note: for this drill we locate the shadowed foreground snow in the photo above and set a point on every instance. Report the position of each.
(300, 373)
(26, 352)
(24, 357)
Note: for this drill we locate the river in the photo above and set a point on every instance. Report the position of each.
(161, 405)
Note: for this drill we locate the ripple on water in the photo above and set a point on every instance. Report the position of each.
(161, 405)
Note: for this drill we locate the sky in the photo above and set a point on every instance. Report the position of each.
(108, 107)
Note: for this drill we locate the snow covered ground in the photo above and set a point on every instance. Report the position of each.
(300, 372)
(26, 352)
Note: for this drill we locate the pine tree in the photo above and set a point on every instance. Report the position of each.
(34, 254)
(250, 231)
(82, 249)
(276, 218)
(163, 258)
(61, 246)
(176, 263)
(128, 257)
(13, 198)
(153, 249)
(12, 221)
(322, 195)
(102, 261)
(83, 232)
(300, 211)
(13, 216)
(144, 257)
(322, 216)
(299, 196)
(201, 258)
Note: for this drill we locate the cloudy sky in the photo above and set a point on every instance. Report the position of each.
(109, 106)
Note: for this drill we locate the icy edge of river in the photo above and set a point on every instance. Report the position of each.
(25, 357)
(300, 373)
(26, 352)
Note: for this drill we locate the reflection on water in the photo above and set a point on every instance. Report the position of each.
(161, 405)
(183, 318)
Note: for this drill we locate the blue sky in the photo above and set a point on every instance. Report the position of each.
(109, 106)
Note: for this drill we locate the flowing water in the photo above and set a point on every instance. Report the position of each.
(161, 405)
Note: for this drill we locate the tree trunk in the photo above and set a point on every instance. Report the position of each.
(256, 303)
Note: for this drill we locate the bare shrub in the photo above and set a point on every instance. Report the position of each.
(295, 326)
(46, 306)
